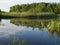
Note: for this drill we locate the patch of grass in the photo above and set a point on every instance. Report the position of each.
(47, 15)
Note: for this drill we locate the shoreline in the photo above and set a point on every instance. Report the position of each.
(41, 15)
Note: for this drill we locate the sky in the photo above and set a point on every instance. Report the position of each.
(6, 4)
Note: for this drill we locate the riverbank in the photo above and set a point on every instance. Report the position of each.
(41, 15)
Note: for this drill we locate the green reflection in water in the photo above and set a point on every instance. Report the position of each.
(53, 26)
(30, 22)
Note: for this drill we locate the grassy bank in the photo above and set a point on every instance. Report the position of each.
(42, 15)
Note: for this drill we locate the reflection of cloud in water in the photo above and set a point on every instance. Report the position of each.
(10, 29)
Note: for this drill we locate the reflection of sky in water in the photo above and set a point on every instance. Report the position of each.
(7, 28)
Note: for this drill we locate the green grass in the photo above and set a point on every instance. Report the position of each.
(41, 15)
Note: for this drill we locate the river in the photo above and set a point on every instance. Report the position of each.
(31, 34)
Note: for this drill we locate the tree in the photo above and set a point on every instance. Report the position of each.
(40, 7)
(49, 8)
(36, 7)
(58, 8)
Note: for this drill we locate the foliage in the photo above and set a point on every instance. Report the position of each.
(36, 7)
(30, 15)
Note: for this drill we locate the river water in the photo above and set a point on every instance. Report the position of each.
(30, 34)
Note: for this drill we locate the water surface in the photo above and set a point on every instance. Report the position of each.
(32, 33)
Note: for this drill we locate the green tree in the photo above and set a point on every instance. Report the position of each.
(49, 8)
(40, 7)
(58, 8)
(36, 7)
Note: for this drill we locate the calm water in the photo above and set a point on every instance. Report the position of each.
(31, 35)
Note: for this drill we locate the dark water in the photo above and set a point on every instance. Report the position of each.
(32, 36)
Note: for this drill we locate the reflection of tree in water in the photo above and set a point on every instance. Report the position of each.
(32, 23)
(52, 25)
(0, 20)
(53, 32)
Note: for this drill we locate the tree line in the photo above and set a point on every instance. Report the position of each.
(36, 7)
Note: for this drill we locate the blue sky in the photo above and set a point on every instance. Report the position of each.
(5, 4)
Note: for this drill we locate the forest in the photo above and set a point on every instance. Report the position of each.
(36, 7)
(34, 10)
